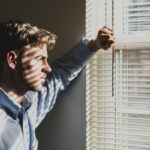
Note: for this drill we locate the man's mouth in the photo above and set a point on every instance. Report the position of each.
(43, 79)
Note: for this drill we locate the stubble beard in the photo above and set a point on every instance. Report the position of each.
(27, 85)
(31, 87)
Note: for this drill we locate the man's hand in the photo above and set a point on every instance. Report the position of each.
(104, 40)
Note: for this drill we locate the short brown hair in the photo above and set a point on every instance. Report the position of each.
(16, 34)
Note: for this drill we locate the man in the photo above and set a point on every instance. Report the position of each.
(28, 85)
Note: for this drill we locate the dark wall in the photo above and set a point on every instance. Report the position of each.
(64, 126)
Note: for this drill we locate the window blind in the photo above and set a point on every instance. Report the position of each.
(118, 80)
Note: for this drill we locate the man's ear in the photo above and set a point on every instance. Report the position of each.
(12, 59)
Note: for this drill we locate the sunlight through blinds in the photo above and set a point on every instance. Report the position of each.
(119, 121)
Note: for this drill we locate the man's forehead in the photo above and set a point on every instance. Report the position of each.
(35, 51)
(43, 46)
(43, 49)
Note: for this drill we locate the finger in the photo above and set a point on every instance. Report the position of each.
(107, 45)
(106, 37)
(110, 31)
(112, 39)
(111, 43)
(105, 27)
(106, 31)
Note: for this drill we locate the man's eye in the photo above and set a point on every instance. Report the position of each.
(41, 58)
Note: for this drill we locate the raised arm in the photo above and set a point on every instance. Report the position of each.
(68, 67)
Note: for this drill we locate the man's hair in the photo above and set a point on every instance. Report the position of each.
(16, 34)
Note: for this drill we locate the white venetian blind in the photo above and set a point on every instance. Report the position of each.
(118, 83)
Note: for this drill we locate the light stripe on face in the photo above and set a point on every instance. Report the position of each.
(33, 67)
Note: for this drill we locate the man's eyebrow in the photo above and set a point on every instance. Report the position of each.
(45, 56)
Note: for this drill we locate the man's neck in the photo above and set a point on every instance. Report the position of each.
(17, 97)
(15, 93)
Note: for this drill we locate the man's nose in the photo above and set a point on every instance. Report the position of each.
(46, 68)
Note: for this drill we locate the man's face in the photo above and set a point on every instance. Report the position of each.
(32, 68)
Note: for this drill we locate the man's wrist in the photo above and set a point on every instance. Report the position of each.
(93, 45)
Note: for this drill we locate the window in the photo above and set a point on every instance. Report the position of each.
(118, 80)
